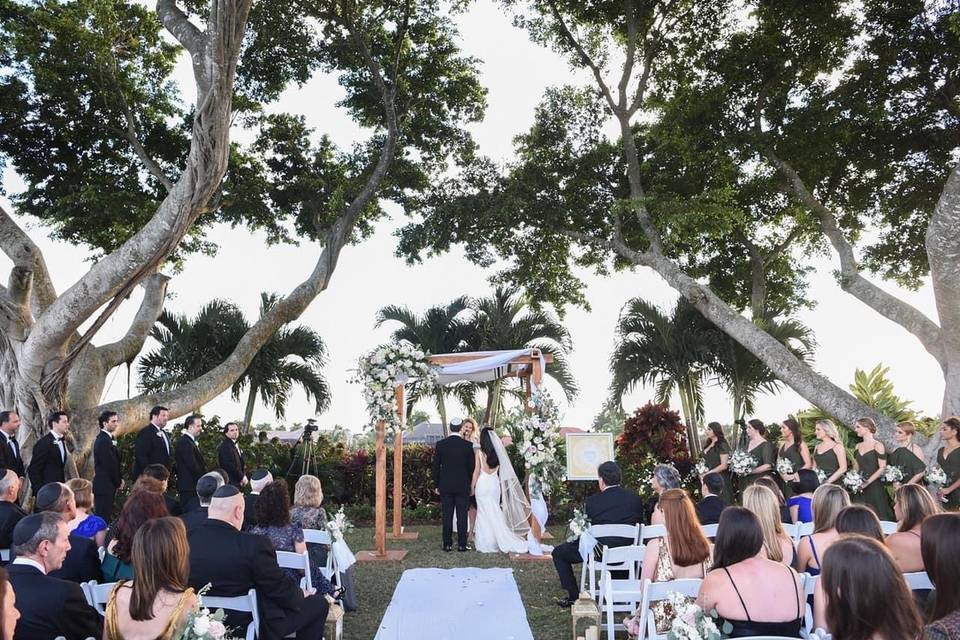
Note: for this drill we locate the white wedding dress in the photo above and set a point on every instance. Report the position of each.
(491, 533)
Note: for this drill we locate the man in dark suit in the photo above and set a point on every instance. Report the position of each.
(152, 445)
(235, 562)
(10, 457)
(613, 505)
(49, 607)
(230, 457)
(49, 460)
(207, 485)
(10, 511)
(259, 478)
(453, 464)
(106, 466)
(190, 464)
(82, 562)
(710, 508)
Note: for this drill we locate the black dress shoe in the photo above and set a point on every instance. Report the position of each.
(461, 548)
(565, 603)
(447, 548)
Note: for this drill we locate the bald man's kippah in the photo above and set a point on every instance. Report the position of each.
(226, 491)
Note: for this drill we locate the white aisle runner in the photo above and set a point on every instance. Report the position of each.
(455, 604)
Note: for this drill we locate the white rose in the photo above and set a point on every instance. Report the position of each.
(201, 624)
(217, 630)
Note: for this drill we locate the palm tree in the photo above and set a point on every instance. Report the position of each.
(506, 320)
(190, 348)
(440, 329)
(671, 353)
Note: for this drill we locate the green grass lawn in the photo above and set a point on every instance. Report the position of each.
(375, 582)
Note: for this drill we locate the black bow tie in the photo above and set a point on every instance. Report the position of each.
(12, 438)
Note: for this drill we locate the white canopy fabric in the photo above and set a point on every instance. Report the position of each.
(493, 365)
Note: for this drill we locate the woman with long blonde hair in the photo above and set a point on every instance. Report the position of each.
(763, 503)
(829, 456)
(828, 501)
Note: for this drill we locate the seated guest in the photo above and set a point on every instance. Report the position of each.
(770, 483)
(161, 474)
(665, 477)
(140, 507)
(207, 485)
(82, 562)
(862, 594)
(157, 604)
(8, 614)
(801, 502)
(861, 519)
(683, 553)
(235, 562)
(307, 513)
(757, 596)
(273, 522)
(613, 505)
(912, 505)
(777, 545)
(709, 509)
(828, 500)
(10, 511)
(940, 547)
(86, 524)
(49, 607)
(258, 480)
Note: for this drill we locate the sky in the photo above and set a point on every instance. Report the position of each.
(515, 72)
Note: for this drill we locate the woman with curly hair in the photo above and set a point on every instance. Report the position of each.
(140, 507)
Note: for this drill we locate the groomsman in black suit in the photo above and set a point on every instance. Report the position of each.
(230, 457)
(453, 464)
(49, 607)
(190, 464)
(49, 460)
(152, 445)
(613, 505)
(10, 457)
(106, 466)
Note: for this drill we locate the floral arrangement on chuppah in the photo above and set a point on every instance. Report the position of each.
(541, 443)
(383, 369)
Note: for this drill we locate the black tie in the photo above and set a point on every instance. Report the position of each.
(16, 447)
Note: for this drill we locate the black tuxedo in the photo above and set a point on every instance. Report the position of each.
(46, 465)
(190, 467)
(709, 509)
(10, 459)
(231, 460)
(10, 515)
(152, 446)
(615, 505)
(194, 518)
(250, 503)
(234, 562)
(50, 607)
(453, 464)
(106, 474)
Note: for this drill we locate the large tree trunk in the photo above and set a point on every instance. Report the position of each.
(248, 412)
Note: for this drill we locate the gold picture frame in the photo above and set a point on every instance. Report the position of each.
(585, 452)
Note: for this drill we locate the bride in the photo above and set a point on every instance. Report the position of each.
(503, 510)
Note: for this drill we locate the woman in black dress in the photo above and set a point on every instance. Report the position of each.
(716, 455)
(763, 452)
(794, 449)
(870, 458)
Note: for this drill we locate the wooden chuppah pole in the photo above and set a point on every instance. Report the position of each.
(380, 524)
(398, 467)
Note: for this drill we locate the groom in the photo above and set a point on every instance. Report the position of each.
(453, 463)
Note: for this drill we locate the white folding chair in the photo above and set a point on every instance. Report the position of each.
(589, 569)
(809, 586)
(651, 531)
(792, 530)
(97, 594)
(888, 527)
(246, 603)
(298, 561)
(619, 595)
(330, 571)
(918, 580)
(804, 529)
(657, 592)
(709, 530)
(4, 555)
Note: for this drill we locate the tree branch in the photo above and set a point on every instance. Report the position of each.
(133, 135)
(584, 56)
(127, 348)
(176, 22)
(25, 254)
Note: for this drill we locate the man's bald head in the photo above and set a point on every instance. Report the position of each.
(228, 506)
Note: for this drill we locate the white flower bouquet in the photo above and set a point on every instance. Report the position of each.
(784, 467)
(203, 625)
(339, 525)
(742, 463)
(578, 524)
(690, 622)
(892, 474)
(853, 480)
(936, 476)
(821, 476)
(702, 468)
(381, 370)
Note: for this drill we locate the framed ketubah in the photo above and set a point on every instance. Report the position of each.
(585, 452)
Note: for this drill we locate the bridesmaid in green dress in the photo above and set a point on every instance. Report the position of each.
(794, 449)
(870, 458)
(949, 460)
(908, 457)
(829, 456)
(716, 455)
(762, 451)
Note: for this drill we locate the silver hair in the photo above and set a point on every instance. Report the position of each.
(667, 476)
(8, 481)
(49, 529)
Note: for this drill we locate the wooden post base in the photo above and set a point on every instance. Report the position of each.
(389, 555)
(404, 535)
(526, 557)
